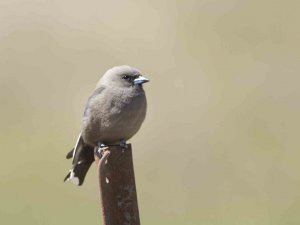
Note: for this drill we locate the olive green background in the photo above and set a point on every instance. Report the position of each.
(220, 144)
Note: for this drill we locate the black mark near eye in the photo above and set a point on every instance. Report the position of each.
(130, 78)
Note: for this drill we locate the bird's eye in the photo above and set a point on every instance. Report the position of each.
(125, 77)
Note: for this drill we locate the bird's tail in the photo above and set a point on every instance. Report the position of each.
(83, 157)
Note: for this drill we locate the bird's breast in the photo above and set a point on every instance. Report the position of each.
(115, 118)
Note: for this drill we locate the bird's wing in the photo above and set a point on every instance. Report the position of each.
(82, 154)
(77, 149)
(96, 92)
(70, 154)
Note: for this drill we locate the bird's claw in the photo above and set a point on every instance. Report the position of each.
(101, 148)
(123, 144)
(101, 145)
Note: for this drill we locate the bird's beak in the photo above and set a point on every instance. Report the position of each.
(140, 80)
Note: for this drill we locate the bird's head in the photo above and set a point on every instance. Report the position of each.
(122, 76)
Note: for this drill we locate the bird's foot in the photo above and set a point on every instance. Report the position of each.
(101, 144)
(123, 144)
(101, 148)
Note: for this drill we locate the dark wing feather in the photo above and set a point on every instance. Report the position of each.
(70, 154)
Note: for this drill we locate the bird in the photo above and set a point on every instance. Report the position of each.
(114, 113)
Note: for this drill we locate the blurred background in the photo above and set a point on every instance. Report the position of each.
(220, 144)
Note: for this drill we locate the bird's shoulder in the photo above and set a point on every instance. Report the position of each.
(98, 91)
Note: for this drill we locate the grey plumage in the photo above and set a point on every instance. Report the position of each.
(114, 112)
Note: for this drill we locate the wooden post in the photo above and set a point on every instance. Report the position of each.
(117, 187)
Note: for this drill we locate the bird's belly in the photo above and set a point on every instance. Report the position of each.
(123, 128)
(115, 123)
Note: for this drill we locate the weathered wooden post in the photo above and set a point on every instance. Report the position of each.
(117, 186)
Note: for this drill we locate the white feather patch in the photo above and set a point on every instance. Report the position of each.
(73, 179)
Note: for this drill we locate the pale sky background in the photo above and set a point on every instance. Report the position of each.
(220, 144)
